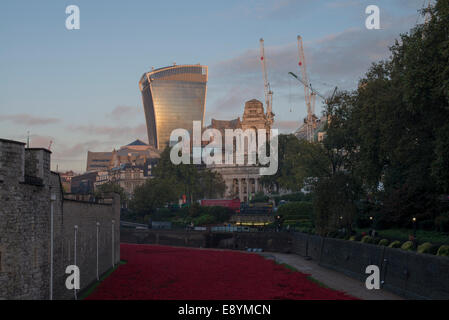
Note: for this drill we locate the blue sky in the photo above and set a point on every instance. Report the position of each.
(79, 88)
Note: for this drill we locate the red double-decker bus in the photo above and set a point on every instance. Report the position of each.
(233, 204)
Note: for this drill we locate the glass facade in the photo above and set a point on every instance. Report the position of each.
(173, 97)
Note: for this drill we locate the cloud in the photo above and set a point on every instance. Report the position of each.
(271, 9)
(286, 126)
(337, 59)
(230, 103)
(344, 4)
(112, 131)
(121, 111)
(29, 120)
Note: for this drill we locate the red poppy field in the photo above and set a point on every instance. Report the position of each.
(172, 273)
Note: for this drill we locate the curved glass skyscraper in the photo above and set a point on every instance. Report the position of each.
(173, 97)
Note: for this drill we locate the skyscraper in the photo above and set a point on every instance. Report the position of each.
(173, 97)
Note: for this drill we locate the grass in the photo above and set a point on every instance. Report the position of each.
(421, 235)
(91, 289)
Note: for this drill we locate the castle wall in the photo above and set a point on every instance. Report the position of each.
(27, 187)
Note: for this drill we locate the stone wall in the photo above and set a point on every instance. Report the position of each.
(269, 241)
(406, 273)
(27, 187)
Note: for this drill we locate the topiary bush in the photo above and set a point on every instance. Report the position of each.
(367, 239)
(407, 245)
(427, 247)
(443, 251)
(383, 242)
(395, 244)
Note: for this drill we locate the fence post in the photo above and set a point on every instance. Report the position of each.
(113, 247)
(98, 230)
(74, 256)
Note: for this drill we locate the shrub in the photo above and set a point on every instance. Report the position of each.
(376, 240)
(260, 197)
(384, 242)
(296, 210)
(367, 239)
(352, 238)
(427, 247)
(442, 223)
(443, 251)
(408, 245)
(395, 244)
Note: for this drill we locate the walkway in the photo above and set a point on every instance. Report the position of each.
(331, 278)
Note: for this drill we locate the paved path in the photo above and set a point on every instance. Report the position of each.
(331, 278)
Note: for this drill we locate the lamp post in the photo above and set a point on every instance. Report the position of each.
(414, 227)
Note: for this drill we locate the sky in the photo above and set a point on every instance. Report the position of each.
(79, 88)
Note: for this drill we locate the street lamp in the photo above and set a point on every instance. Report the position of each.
(414, 227)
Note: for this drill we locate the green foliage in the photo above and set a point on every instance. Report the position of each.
(196, 182)
(383, 242)
(442, 223)
(395, 244)
(111, 187)
(153, 194)
(443, 251)
(286, 176)
(352, 238)
(296, 211)
(367, 239)
(408, 245)
(260, 197)
(427, 247)
(421, 235)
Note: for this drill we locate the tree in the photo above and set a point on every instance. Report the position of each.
(285, 177)
(153, 194)
(111, 187)
(194, 181)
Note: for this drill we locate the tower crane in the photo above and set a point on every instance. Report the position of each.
(267, 88)
(309, 93)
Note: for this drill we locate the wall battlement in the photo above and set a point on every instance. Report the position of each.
(23, 165)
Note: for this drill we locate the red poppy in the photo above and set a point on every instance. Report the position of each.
(172, 273)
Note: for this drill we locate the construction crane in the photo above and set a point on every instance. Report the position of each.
(309, 93)
(267, 89)
(49, 145)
